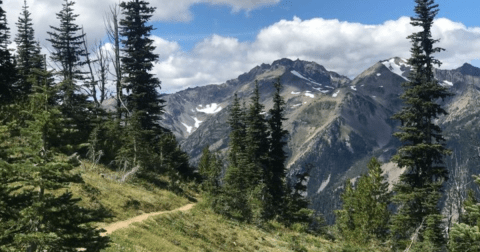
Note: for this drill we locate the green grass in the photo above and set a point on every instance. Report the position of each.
(123, 200)
(200, 229)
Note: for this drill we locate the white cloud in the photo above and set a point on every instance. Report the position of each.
(343, 47)
(92, 12)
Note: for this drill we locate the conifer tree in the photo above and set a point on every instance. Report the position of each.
(48, 221)
(465, 236)
(237, 131)
(8, 72)
(210, 169)
(276, 173)
(423, 149)
(255, 158)
(68, 53)
(28, 50)
(234, 199)
(364, 215)
(143, 98)
(296, 203)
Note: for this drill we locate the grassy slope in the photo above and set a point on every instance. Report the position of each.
(199, 229)
(122, 200)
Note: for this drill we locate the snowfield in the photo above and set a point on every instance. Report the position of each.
(210, 108)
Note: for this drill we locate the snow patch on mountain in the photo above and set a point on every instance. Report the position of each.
(396, 69)
(335, 94)
(353, 88)
(449, 83)
(299, 75)
(296, 105)
(189, 128)
(295, 93)
(324, 184)
(210, 108)
(379, 74)
(309, 94)
(197, 122)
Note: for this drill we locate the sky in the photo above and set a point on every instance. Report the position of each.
(204, 42)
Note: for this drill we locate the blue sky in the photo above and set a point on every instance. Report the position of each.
(204, 42)
(212, 19)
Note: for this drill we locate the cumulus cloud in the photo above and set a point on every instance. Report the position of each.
(92, 12)
(344, 47)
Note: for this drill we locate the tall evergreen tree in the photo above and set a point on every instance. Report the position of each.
(365, 215)
(423, 149)
(68, 50)
(49, 221)
(143, 98)
(8, 72)
(28, 50)
(237, 131)
(256, 159)
(67, 42)
(234, 200)
(210, 169)
(276, 173)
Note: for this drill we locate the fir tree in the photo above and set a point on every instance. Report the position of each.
(8, 72)
(276, 173)
(423, 149)
(47, 221)
(255, 159)
(465, 236)
(67, 54)
(210, 169)
(143, 98)
(237, 131)
(28, 50)
(234, 200)
(365, 214)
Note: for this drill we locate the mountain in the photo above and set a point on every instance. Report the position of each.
(336, 124)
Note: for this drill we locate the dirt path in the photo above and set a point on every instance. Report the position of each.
(123, 224)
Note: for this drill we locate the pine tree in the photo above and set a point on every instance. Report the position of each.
(237, 131)
(465, 236)
(234, 200)
(364, 215)
(276, 173)
(48, 221)
(67, 54)
(255, 159)
(210, 169)
(8, 72)
(28, 50)
(138, 59)
(423, 149)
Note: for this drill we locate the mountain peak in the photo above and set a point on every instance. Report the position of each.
(468, 69)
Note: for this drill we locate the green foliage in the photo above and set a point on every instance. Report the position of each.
(364, 215)
(67, 53)
(210, 168)
(28, 51)
(423, 149)
(46, 221)
(465, 236)
(275, 175)
(8, 72)
(138, 59)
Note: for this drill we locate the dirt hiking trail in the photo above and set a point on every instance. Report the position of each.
(123, 224)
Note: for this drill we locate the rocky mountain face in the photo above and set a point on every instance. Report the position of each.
(336, 124)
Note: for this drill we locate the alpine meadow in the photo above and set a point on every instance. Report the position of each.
(113, 137)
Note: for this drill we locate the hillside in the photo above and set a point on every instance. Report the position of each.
(197, 229)
(335, 124)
